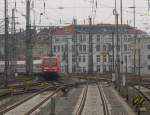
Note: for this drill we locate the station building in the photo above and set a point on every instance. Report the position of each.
(71, 44)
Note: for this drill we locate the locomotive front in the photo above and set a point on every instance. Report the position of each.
(51, 68)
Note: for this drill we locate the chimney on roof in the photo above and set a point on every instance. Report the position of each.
(74, 21)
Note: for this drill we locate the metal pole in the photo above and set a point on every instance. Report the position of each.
(67, 55)
(115, 11)
(121, 20)
(13, 51)
(6, 44)
(134, 12)
(117, 54)
(51, 36)
(113, 53)
(90, 57)
(53, 101)
(134, 35)
(127, 95)
(75, 46)
(139, 57)
(76, 52)
(29, 61)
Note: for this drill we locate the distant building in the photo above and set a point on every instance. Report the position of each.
(42, 43)
(71, 44)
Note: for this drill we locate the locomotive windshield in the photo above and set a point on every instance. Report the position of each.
(50, 62)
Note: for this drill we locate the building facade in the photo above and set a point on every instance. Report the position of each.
(72, 44)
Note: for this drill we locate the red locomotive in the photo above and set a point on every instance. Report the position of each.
(50, 67)
(47, 67)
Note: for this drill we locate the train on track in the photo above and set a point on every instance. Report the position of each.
(46, 66)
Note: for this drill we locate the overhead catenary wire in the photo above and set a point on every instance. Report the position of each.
(55, 16)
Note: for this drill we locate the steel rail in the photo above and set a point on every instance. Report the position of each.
(83, 100)
(24, 100)
(141, 93)
(41, 103)
(105, 105)
(57, 88)
(50, 96)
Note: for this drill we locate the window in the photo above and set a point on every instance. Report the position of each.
(56, 40)
(54, 48)
(80, 48)
(104, 48)
(148, 56)
(79, 58)
(118, 47)
(73, 59)
(125, 38)
(80, 38)
(104, 59)
(73, 40)
(125, 47)
(98, 58)
(62, 48)
(84, 59)
(97, 47)
(126, 59)
(148, 46)
(73, 68)
(110, 58)
(50, 62)
(84, 38)
(109, 47)
(73, 48)
(84, 69)
(66, 47)
(98, 68)
(104, 68)
(98, 38)
(110, 67)
(129, 36)
(58, 48)
(148, 67)
(84, 48)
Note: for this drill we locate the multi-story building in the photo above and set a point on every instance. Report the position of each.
(41, 43)
(62, 47)
(143, 51)
(72, 44)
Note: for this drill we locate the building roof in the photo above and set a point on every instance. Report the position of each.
(95, 29)
(64, 30)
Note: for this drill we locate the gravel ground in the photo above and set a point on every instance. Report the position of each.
(116, 107)
(133, 94)
(66, 104)
(14, 99)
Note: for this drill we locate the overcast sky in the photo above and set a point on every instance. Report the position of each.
(79, 9)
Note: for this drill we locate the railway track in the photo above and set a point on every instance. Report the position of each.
(12, 107)
(142, 94)
(30, 111)
(83, 100)
(93, 95)
(24, 106)
(103, 98)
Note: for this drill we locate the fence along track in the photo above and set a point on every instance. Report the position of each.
(83, 100)
(104, 102)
